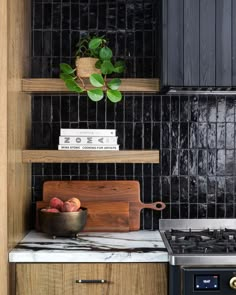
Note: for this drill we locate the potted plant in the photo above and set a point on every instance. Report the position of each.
(94, 61)
(86, 59)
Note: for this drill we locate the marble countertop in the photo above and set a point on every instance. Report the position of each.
(135, 246)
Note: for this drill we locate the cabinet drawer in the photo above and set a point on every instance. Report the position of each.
(61, 279)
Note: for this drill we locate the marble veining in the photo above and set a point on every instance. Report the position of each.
(137, 246)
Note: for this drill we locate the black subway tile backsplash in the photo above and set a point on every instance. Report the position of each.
(195, 134)
(130, 27)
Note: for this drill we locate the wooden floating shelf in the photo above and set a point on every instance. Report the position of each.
(58, 86)
(58, 156)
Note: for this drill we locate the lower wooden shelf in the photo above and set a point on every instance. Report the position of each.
(122, 156)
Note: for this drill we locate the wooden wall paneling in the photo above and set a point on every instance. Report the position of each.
(175, 42)
(223, 42)
(207, 43)
(18, 126)
(3, 154)
(233, 43)
(191, 42)
(12, 279)
(19, 109)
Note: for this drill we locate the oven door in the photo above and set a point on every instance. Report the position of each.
(208, 280)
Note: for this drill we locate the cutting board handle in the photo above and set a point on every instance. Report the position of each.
(155, 206)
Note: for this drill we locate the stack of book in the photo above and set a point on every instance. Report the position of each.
(88, 139)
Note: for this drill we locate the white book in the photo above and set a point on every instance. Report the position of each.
(88, 140)
(87, 132)
(88, 147)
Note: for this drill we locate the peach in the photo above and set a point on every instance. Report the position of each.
(52, 210)
(69, 207)
(56, 203)
(76, 201)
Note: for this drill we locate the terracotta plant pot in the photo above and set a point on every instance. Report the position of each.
(85, 66)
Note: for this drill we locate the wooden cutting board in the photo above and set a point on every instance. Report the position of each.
(102, 216)
(101, 191)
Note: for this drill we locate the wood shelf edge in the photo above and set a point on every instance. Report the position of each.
(122, 156)
(54, 85)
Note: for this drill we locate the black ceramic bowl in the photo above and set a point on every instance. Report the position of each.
(62, 224)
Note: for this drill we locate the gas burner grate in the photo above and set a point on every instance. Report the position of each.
(202, 242)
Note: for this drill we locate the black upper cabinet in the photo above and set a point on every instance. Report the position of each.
(199, 42)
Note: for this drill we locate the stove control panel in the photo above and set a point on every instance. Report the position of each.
(208, 280)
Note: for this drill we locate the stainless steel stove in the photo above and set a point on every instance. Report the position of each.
(202, 255)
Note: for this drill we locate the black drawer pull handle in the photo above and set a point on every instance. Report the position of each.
(91, 281)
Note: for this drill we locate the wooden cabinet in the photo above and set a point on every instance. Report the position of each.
(199, 44)
(121, 279)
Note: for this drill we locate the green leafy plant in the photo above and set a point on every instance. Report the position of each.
(95, 47)
(83, 49)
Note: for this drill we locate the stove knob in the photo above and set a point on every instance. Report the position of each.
(232, 283)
